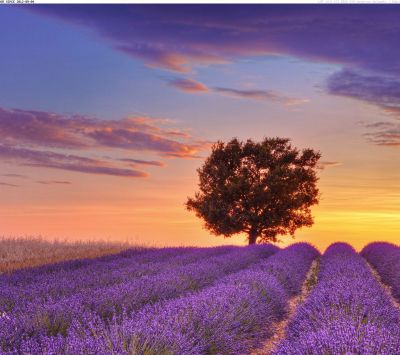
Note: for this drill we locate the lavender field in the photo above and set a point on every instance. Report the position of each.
(221, 300)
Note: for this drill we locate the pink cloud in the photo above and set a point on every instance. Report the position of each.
(143, 162)
(44, 129)
(194, 87)
(25, 133)
(47, 159)
(35, 127)
(6, 184)
(384, 134)
(261, 95)
(53, 182)
(188, 85)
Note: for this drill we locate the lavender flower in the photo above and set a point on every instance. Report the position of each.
(230, 317)
(348, 312)
(36, 314)
(385, 258)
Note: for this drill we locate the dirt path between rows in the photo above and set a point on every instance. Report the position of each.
(386, 287)
(279, 328)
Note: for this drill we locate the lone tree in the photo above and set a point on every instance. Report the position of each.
(263, 189)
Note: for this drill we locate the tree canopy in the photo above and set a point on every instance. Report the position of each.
(263, 189)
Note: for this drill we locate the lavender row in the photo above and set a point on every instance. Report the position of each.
(385, 258)
(89, 265)
(348, 312)
(98, 274)
(28, 275)
(52, 317)
(230, 317)
(120, 281)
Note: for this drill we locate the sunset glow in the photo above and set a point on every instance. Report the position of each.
(106, 112)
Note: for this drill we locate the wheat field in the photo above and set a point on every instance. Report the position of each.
(23, 252)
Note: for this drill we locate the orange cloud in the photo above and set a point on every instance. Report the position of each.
(327, 164)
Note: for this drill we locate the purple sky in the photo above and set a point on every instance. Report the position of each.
(132, 96)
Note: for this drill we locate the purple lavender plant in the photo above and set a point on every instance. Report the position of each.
(348, 312)
(68, 277)
(230, 317)
(52, 315)
(385, 258)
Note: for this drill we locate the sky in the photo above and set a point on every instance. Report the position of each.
(106, 112)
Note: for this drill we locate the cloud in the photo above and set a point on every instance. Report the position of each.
(179, 134)
(322, 165)
(363, 40)
(7, 184)
(155, 57)
(394, 111)
(47, 159)
(53, 182)
(143, 162)
(141, 141)
(384, 134)
(35, 138)
(263, 95)
(379, 90)
(194, 87)
(379, 125)
(35, 127)
(20, 176)
(45, 129)
(188, 85)
(176, 37)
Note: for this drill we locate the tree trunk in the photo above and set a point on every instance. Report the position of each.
(252, 237)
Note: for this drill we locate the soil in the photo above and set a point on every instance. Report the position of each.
(279, 328)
